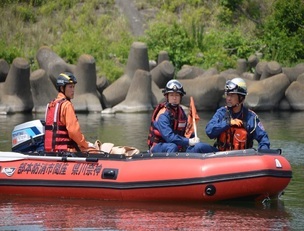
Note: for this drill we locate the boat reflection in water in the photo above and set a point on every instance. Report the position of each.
(50, 214)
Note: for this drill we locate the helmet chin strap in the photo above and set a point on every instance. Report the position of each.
(237, 104)
(233, 106)
(65, 94)
(172, 104)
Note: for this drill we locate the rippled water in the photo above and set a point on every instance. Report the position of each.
(38, 214)
(286, 131)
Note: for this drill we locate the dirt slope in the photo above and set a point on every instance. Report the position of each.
(136, 20)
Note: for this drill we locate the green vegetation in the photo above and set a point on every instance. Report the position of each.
(202, 33)
(70, 28)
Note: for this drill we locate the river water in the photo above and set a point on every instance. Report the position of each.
(285, 129)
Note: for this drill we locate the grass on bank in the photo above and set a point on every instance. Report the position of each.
(71, 28)
(201, 33)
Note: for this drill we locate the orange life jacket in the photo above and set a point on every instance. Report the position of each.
(56, 135)
(234, 138)
(178, 123)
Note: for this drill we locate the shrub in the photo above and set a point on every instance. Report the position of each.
(283, 32)
(172, 38)
(8, 52)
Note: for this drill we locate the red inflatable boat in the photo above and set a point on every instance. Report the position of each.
(207, 177)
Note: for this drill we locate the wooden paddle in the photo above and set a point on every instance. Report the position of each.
(13, 156)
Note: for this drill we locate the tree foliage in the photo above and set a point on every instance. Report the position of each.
(193, 32)
(283, 32)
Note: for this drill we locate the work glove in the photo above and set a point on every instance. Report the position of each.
(236, 122)
(90, 145)
(194, 141)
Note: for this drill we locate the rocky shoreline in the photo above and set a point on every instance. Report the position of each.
(270, 86)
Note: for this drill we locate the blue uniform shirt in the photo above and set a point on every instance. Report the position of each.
(220, 122)
(163, 125)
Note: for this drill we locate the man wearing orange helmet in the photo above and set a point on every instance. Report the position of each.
(62, 130)
(169, 122)
(234, 126)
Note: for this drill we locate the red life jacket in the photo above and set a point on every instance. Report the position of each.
(178, 123)
(56, 135)
(234, 138)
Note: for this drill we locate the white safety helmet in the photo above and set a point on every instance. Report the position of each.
(236, 85)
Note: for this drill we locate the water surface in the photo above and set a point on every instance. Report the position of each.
(286, 131)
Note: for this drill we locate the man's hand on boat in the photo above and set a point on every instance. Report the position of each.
(90, 145)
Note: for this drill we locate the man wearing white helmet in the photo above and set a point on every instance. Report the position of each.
(234, 126)
(169, 122)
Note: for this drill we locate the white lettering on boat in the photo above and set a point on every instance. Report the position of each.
(86, 169)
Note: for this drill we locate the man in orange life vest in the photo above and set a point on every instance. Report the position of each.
(234, 126)
(62, 130)
(169, 122)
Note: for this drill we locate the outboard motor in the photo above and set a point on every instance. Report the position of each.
(28, 137)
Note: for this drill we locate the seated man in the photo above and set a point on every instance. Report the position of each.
(169, 122)
(62, 130)
(234, 126)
